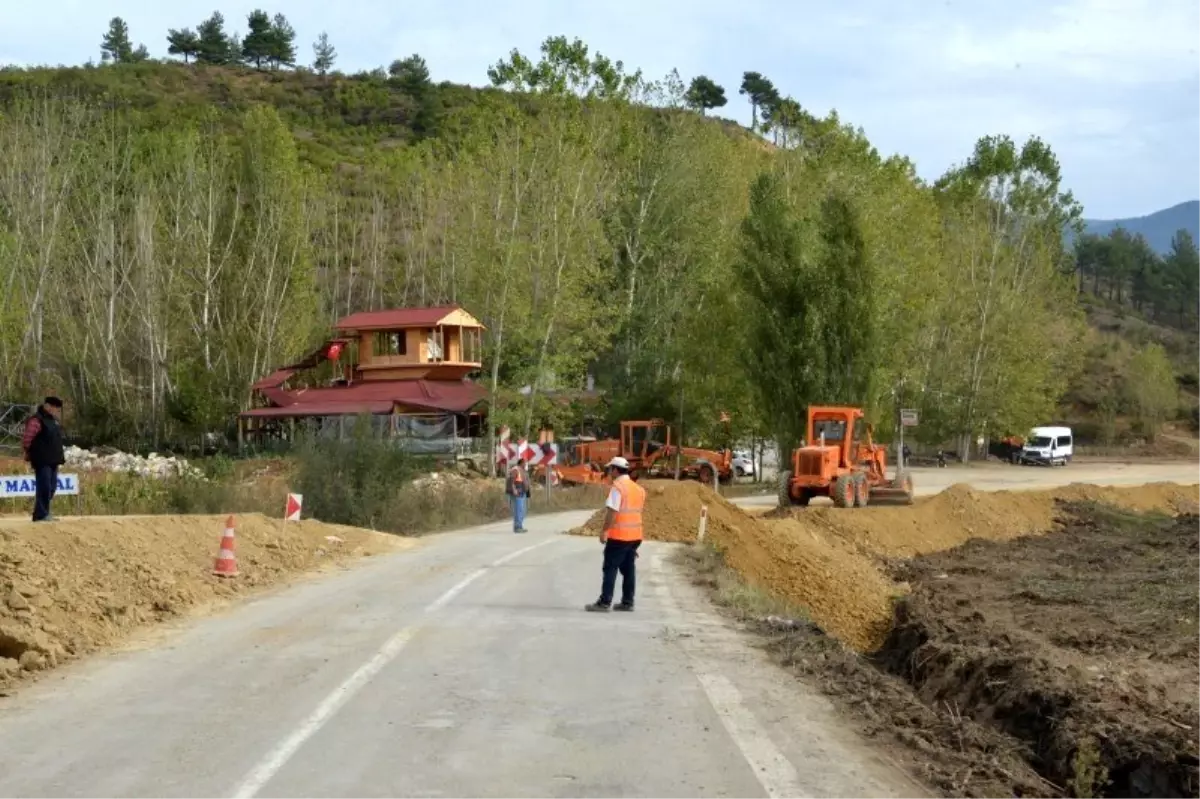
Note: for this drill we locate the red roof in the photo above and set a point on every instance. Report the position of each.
(396, 318)
(374, 397)
(322, 409)
(275, 379)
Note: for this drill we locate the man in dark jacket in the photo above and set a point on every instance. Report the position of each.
(43, 445)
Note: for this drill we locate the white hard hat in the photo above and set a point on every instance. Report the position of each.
(619, 462)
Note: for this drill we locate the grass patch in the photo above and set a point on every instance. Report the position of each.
(362, 483)
(728, 590)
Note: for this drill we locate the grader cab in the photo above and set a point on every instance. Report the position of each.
(840, 461)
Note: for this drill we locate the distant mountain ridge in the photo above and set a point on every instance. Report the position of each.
(1158, 227)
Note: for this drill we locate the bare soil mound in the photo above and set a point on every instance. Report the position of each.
(961, 513)
(831, 561)
(844, 592)
(672, 512)
(1081, 645)
(70, 587)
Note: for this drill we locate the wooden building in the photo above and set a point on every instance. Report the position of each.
(408, 370)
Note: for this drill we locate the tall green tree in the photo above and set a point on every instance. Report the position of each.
(258, 43)
(282, 51)
(761, 93)
(565, 68)
(412, 75)
(849, 305)
(324, 55)
(1017, 347)
(183, 42)
(1182, 271)
(704, 93)
(1151, 392)
(116, 46)
(215, 45)
(786, 355)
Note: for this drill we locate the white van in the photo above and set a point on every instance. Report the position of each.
(1051, 446)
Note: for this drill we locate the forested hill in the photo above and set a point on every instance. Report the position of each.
(1158, 228)
(170, 232)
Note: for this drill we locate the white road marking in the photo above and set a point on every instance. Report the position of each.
(458, 587)
(774, 772)
(278, 757)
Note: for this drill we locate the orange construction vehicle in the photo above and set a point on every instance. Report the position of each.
(648, 448)
(840, 461)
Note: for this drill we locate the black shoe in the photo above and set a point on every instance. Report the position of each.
(625, 606)
(596, 607)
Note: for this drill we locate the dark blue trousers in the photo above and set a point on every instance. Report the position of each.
(46, 478)
(619, 556)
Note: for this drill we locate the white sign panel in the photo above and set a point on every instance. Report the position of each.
(23, 486)
(908, 417)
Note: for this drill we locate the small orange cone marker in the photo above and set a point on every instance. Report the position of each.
(226, 563)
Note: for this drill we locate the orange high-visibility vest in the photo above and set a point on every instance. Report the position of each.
(627, 522)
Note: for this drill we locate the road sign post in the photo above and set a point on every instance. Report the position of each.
(908, 418)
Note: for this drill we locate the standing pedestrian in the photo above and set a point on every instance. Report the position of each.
(516, 486)
(43, 447)
(621, 537)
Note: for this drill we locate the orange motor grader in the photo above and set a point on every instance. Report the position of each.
(840, 461)
(648, 448)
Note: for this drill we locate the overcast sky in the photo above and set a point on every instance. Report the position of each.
(1112, 85)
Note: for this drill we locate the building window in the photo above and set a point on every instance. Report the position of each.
(391, 343)
(435, 345)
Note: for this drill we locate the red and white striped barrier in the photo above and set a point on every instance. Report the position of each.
(544, 453)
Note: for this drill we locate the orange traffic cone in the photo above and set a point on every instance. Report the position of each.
(226, 563)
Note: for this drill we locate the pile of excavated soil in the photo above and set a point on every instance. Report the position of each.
(672, 512)
(960, 513)
(70, 587)
(830, 561)
(1083, 640)
(842, 591)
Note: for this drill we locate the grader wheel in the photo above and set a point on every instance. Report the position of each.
(862, 491)
(843, 491)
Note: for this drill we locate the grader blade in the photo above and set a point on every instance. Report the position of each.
(898, 491)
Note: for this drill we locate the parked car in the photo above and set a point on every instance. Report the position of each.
(743, 464)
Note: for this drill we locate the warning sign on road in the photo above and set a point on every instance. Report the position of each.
(908, 417)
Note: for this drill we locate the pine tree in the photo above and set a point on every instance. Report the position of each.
(324, 54)
(704, 93)
(183, 42)
(259, 42)
(412, 75)
(214, 45)
(116, 46)
(283, 42)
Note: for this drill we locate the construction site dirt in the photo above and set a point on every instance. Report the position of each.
(1028, 644)
(1080, 645)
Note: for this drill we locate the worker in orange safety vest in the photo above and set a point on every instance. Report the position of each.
(621, 537)
(516, 486)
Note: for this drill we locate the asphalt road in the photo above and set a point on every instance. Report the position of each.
(463, 667)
